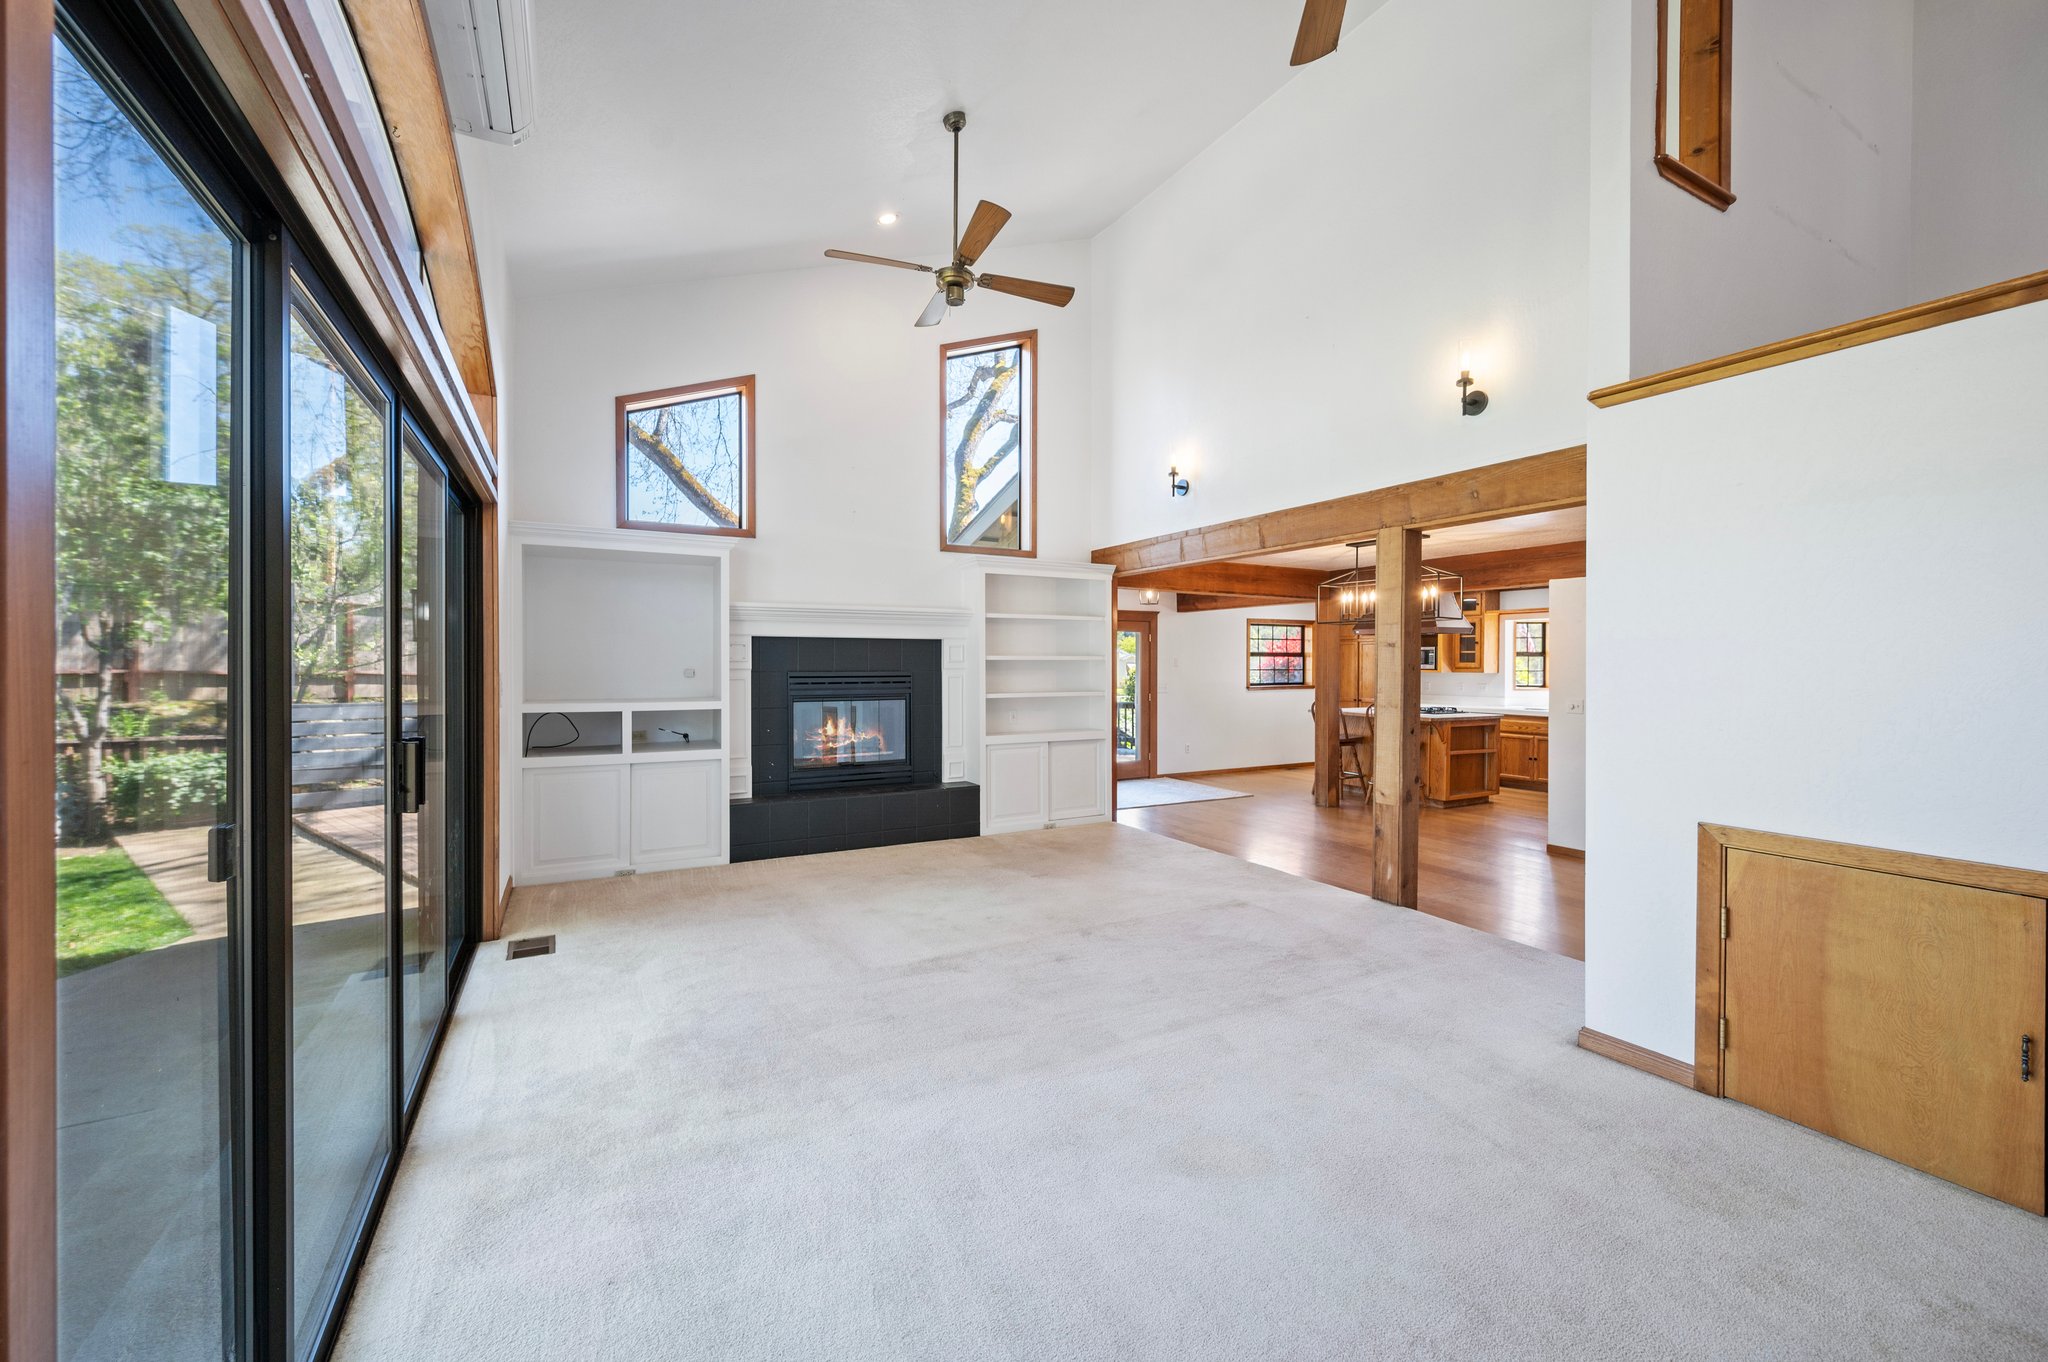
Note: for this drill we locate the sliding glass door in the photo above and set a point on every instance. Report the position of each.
(429, 524)
(150, 300)
(267, 730)
(339, 440)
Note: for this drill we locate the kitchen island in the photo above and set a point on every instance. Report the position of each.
(1460, 757)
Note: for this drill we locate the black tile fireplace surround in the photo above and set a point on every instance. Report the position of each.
(879, 798)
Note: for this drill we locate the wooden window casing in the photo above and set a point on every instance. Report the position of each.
(1693, 100)
(1254, 653)
(1027, 504)
(743, 388)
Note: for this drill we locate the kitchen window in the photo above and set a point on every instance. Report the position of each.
(1532, 654)
(1278, 654)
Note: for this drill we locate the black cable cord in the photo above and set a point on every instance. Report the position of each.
(575, 733)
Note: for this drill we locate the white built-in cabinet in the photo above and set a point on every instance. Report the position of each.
(1046, 634)
(620, 666)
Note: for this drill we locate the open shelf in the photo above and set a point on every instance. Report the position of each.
(1048, 694)
(1022, 615)
(677, 731)
(555, 734)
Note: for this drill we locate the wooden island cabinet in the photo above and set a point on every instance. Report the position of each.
(1460, 759)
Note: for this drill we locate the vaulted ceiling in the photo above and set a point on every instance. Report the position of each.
(722, 136)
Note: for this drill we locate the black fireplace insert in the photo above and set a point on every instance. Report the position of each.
(849, 729)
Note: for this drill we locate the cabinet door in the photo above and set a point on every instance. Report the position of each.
(1515, 751)
(678, 814)
(1890, 1012)
(575, 822)
(1074, 780)
(1539, 761)
(1014, 793)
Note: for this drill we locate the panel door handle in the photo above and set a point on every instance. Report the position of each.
(412, 773)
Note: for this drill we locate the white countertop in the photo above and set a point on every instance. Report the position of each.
(1469, 712)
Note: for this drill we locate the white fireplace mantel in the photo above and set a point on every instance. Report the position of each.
(953, 627)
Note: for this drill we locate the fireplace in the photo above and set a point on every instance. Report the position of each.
(849, 729)
(848, 738)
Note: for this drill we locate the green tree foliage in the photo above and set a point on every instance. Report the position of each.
(136, 553)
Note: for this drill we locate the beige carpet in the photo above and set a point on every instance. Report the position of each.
(1095, 1094)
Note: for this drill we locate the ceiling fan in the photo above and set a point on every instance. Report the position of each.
(955, 279)
(1321, 23)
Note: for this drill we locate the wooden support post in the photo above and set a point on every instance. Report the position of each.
(1331, 641)
(1397, 718)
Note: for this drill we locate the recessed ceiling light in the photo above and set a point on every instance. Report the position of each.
(886, 220)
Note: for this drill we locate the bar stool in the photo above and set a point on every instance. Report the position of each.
(1354, 752)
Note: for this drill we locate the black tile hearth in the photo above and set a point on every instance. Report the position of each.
(804, 824)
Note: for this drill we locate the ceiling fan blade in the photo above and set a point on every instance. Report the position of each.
(1321, 23)
(934, 311)
(878, 260)
(988, 219)
(1059, 295)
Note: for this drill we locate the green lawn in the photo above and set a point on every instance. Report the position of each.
(107, 909)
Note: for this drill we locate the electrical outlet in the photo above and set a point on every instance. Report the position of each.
(1186, 748)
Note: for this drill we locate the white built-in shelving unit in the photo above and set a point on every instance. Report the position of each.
(620, 733)
(1047, 631)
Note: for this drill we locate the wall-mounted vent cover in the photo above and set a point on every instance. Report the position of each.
(530, 945)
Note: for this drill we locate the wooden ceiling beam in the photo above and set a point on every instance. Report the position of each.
(1192, 602)
(1541, 482)
(1507, 569)
(399, 56)
(1231, 579)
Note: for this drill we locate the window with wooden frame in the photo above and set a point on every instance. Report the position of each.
(1532, 654)
(1693, 97)
(988, 451)
(1279, 654)
(686, 459)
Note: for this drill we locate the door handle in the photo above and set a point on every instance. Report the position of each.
(412, 773)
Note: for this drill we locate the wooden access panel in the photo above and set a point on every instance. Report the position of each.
(1891, 1012)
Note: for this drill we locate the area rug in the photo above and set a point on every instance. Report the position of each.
(1144, 794)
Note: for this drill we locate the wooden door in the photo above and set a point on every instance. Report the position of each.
(1891, 1012)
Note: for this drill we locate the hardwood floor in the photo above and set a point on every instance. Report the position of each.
(1484, 866)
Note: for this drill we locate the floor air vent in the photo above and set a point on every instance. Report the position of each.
(530, 945)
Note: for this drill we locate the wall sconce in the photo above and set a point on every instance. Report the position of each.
(1178, 485)
(1150, 595)
(1470, 400)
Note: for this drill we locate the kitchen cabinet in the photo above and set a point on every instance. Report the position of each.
(1478, 651)
(1525, 751)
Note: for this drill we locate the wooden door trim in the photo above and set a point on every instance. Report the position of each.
(1145, 624)
(28, 570)
(1716, 840)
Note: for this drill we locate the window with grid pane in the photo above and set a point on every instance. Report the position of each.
(1532, 655)
(1276, 654)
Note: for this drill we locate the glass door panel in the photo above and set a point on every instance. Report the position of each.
(1135, 691)
(339, 447)
(146, 743)
(425, 789)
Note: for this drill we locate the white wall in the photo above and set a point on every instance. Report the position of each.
(1208, 719)
(1851, 548)
(1283, 317)
(1980, 121)
(1884, 152)
(848, 493)
(1566, 640)
(1821, 151)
